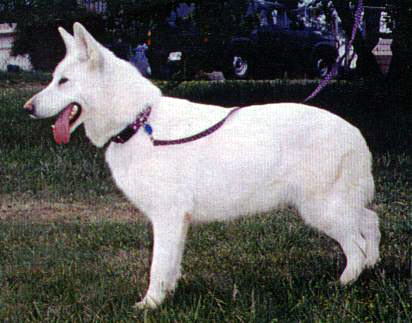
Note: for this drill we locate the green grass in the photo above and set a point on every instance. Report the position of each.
(71, 248)
(16, 79)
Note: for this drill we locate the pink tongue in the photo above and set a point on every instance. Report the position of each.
(61, 131)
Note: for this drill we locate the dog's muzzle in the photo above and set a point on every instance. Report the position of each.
(30, 108)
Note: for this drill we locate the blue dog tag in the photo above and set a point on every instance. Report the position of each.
(148, 129)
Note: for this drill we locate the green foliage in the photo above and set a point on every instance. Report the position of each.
(37, 23)
(222, 19)
(401, 72)
(132, 19)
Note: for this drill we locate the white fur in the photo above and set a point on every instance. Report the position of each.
(263, 157)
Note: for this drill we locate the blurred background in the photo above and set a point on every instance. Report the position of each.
(234, 39)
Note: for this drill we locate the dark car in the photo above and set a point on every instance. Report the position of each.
(278, 43)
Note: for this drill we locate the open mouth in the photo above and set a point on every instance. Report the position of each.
(66, 119)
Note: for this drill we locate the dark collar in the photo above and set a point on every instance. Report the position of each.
(132, 128)
(141, 120)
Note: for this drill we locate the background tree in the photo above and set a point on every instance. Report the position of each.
(401, 67)
(37, 22)
(132, 19)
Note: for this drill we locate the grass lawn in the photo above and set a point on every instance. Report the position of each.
(72, 249)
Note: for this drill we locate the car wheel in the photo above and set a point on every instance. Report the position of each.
(240, 66)
(323, 64)
(322, 67)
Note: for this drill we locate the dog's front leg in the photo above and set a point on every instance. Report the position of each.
(169, 234)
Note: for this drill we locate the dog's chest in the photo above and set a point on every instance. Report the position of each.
(147, 179)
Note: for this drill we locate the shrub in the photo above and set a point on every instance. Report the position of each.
(37, 33)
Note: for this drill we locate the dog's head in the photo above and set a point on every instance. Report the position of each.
(91, 86)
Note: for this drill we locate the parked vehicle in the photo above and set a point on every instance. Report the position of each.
(278, 43)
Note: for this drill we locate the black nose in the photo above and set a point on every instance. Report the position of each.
(30, 108)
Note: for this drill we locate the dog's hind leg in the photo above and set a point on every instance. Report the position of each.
(169, 235)
(370, 231)
(342, 223)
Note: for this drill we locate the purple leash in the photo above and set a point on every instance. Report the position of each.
(202, 134)
(334, 70)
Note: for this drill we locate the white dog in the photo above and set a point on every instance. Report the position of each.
(260, 158)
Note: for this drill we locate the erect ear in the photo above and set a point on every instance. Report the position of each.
(87, 48)
(68, 40)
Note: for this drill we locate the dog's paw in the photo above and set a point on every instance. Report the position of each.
(146, 303)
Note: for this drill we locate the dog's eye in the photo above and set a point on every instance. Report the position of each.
(63, 80)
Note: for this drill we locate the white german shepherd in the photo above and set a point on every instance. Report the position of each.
(262, 157)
